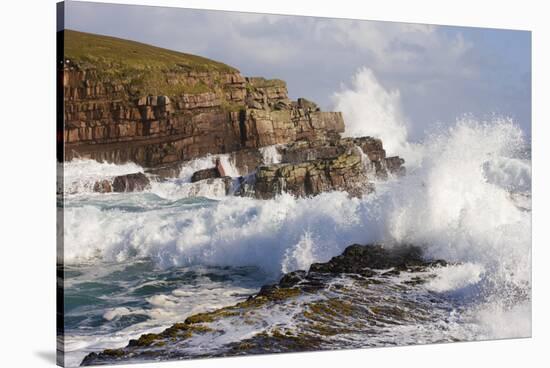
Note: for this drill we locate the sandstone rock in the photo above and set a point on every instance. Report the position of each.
(247, 160)
(131, 183)
(344, 172)
(307, 105)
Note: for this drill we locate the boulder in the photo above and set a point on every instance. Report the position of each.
(211, 173)
(131, 183)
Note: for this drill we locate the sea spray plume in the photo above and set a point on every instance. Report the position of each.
(449, 204)
(370, 109)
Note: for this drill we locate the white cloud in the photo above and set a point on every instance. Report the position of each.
(439, 72)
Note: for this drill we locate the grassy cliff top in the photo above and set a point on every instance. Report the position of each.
(91, 50)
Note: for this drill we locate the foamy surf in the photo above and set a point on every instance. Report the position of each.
(465, 199)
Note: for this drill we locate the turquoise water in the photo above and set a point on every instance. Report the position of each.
(106, 304)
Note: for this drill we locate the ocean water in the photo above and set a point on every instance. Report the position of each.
(139, 262)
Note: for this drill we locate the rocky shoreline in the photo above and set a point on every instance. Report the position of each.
(349, 287)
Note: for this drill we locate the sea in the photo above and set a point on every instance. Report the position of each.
(135, 263)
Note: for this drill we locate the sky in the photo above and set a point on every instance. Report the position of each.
(428, 75)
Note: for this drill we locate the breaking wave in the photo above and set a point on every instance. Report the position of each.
(466, 198)
(456, 202)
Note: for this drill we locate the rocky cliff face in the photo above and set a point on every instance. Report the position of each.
(125, 101)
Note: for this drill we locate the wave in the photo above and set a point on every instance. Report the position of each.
(450, 203)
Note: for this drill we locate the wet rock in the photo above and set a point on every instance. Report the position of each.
(103, 186)
(362, 259)
(395, 165)
(131, 183)
(217, 171)
(204, 174)
(292, 278)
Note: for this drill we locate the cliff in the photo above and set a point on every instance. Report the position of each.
(126, 101)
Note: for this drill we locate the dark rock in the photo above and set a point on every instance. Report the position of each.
(131, 183)
(205, 174)
(292, 278)
(365, 258)
(212, 173)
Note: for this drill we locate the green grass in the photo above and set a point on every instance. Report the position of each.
(145, 69)
(260, 82)
(87, 47)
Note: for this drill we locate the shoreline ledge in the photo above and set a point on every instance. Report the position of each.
(364, 265)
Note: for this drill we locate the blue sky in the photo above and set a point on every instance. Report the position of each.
(440, 73)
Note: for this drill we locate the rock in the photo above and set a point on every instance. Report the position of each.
(131, 183)
(253, 104)
(345, 172)
(205, 174)
(307, 105)
(362, 259)
(214, 172)
(395, 165)
(103, 186)
(283, 104)
(292, 278)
